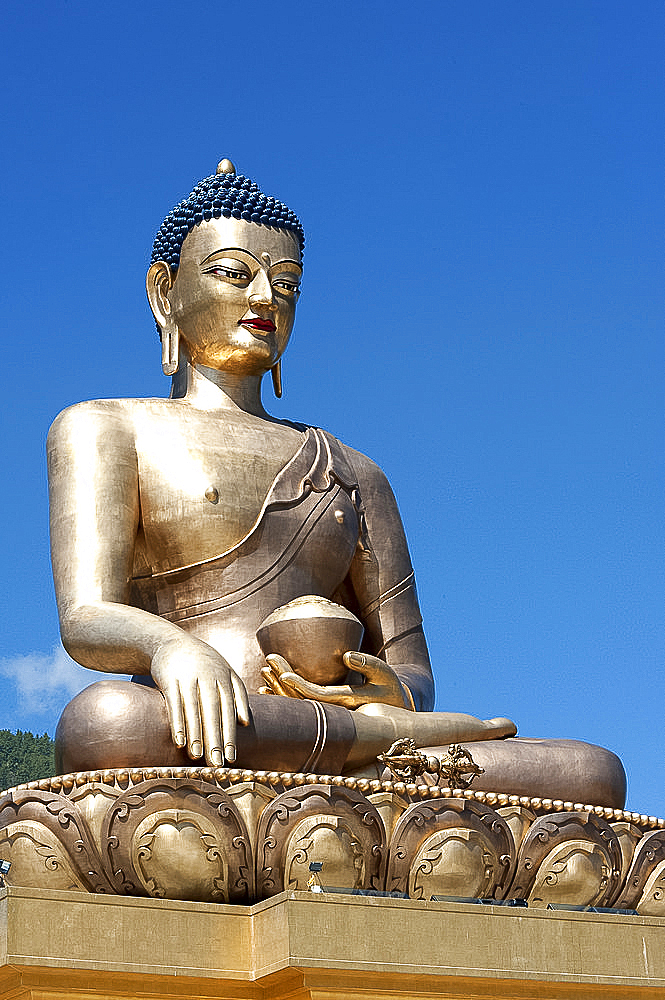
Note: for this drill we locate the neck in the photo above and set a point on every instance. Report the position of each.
(209, 389)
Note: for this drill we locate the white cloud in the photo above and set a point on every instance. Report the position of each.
(44, 682)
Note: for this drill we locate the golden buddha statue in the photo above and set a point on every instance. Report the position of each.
(179, 525)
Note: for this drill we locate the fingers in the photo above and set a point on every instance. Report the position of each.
(216, 708)
(204, 698)
(503, 727)
(192, 714)
(371, 667)
(227, 705)
(176, 715)
(340, 694)
(273, 673)
(382, 683)
(241, 699)
(278, 664)
(272, 682)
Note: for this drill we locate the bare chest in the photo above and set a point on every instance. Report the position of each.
(203, 481)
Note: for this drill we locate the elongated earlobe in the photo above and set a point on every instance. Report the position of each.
(170, 337)
(276, 372)
(158, 283)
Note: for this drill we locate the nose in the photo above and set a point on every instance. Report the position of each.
(260, 291)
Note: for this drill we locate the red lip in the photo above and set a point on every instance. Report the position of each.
(257, 323)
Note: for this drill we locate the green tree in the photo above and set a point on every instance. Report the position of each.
(25, 757)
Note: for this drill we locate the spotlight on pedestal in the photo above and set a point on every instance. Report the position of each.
(4, 869)
(314, 882)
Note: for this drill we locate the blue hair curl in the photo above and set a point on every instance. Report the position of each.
(229, 195)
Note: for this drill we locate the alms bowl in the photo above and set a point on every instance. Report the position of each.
(312, 634)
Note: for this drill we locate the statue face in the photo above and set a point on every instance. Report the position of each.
(235, 292)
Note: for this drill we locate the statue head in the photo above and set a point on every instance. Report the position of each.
(224, 278)
(225, 194)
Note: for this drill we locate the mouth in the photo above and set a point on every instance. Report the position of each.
(256, 323)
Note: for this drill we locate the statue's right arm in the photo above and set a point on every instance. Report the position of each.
(94, 514)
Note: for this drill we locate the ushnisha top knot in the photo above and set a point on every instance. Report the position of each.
(228, 194)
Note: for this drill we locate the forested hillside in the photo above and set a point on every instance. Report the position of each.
(24, 757)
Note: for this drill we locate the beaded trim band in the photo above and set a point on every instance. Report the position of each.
(223, 776)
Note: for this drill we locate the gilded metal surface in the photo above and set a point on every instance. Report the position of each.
(569, 857)
(458, 767)
(178, 525)
(451, 847)
(178, 839)
(222, 834)
(404, 761)
(222, 484)
(647, 863)
(225, 166)
(329, 823)
(312, 635)
(554, 769)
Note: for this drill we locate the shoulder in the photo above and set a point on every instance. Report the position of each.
(370, 476)
(89, 412)
(99, 417)
(94, 427)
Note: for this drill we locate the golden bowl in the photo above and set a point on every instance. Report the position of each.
(312, 634)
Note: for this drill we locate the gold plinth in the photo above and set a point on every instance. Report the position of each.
(233, 836)
(319, 946)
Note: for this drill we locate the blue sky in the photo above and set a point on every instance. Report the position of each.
(482, 308)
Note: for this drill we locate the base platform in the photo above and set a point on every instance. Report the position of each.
(318, 946)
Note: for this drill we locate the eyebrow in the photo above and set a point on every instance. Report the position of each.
(287, 260)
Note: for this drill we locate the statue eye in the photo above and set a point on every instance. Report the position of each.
(224, 271)
(292, 287)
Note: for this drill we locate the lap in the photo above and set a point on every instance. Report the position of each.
(115, 723)
(569, 770)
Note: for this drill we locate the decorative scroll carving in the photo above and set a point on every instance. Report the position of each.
(390, 807)
(93, 800)
(652, 900)
(629, 836)
(568, 858)
(519, 819)
(37, 856)
(328, 823)
(250, 799)
(178, 839)
(47, 840)
(227, 834)
(642, 889)
(451, 847)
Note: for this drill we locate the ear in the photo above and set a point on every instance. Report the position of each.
(158, 284)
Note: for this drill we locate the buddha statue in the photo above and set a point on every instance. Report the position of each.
(179, 525)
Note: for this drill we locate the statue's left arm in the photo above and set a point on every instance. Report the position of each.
(380, 588)
(382, 580)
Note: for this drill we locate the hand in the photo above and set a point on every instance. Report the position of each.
(203, 697)
(382, 684)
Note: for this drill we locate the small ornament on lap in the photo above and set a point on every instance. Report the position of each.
(406, 763)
